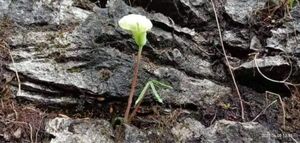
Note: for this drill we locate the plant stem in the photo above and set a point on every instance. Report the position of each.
(133, 84)
(136, 108)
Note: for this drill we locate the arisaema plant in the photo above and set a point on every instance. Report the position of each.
(138, 26)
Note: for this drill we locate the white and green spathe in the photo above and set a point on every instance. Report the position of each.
(138, 25)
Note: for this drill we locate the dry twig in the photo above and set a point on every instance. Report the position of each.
(227, 62)
(30, 127)
(273, 80)
(282, 105)
(6, 47)
(264, 110)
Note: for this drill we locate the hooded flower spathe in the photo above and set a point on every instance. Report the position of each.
(138, 25)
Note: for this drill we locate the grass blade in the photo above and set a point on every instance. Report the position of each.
(155, 93)
(162, 85)
(141, 96)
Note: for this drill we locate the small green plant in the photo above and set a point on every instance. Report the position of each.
(138, 26)
(152, 84)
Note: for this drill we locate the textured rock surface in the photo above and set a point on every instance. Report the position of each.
(242, 10)
(135, 135)
(189, 90)
(186, 13)
(187, 130)
(4, 7)
(284, 38)
(295, 13)
(273, 67)
(229, 131)
(66, 130)
(71, 52)
(266, 62)
(255, 44)
(237, 39)
(191, 130)
(93, 56)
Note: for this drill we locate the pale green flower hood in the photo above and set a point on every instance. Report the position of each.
(138, 25)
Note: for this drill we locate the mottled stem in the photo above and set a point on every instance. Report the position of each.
(136, 108)
(133, 84)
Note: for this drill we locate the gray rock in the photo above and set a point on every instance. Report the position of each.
(284, 39)
(197, 2)
(186, 13)
(94, 56)
(265, 62)
(69, 73)
(230, 131)
(197, 66)
(272, 67)
(189, 130)
(66, 130)
(295, 13)
(69, 55)
(135, 135)
(197, 13)
(242, 10)
(37, 97)
(255, 44)
(236, 39)
(188, 90)
(56, 58)
(4, 6)
(27, 12)
(162, 22)
(190, 63)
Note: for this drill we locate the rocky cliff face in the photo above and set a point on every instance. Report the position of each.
(75, 49)
(73, 53)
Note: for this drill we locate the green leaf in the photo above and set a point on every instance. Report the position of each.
(162, 85)
(292, 3)
(157, 96)
(152, 84)
(141, 96)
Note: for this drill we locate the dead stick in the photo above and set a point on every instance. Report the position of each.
(6, 46)
(227, 62)
(264, 110)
